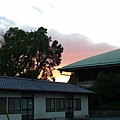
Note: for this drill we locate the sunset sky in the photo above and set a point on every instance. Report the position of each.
(83, 27)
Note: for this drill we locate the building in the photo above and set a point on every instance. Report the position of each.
(30, 99)
(86, 71)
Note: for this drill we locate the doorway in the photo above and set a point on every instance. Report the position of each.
(69, 112)
(27, 107)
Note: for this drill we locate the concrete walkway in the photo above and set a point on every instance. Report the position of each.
(104, 118)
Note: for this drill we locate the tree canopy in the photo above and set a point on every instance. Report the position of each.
(29, 54)
(107, 89)
(107, 86)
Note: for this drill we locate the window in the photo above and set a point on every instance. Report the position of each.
(2, 103)
(88, 75)
(59, 104)
(27, 108)
(14, 105)
(50, 105)
(77, 104)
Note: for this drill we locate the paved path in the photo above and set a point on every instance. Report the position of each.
(104, 118)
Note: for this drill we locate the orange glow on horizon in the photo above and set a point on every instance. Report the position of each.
(61, 78)
(71, 57)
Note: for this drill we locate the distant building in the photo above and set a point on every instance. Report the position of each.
(28, 99)
(86, 71)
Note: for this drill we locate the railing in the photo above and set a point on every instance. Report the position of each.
(104, 113)
(6, 112)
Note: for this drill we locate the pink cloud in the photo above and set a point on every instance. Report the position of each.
(78, 46)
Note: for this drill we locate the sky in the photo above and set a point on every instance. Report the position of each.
(84, 27)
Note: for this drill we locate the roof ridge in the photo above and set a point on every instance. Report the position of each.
(110, 57)
(29, 79)
(94, 56)
(9, 77)
(26, 84)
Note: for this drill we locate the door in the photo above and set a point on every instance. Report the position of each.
(27, 108)
(69, 113)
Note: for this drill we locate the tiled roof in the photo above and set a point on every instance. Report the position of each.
(24, 84)
(108, 58)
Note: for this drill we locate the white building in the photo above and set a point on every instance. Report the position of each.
(28, 99)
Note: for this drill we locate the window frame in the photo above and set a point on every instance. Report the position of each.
(14, 99)
(77, 101)
(2, 110)
(59, 106)
(50, 104)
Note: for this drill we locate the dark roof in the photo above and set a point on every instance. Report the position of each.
(108, 58)
(24, 84)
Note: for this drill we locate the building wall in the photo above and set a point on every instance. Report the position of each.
(82, 83)
(11, 116)
(84, 107)
(87, 76)
(40, 107)
(85, 84)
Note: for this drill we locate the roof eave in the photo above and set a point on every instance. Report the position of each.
(44, 91)
(72, 69)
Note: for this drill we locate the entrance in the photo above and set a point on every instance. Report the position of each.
(69, 113)
(27, 107)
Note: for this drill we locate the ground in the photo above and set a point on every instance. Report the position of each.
(104, 118)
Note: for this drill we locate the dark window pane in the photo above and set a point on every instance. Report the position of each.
(59, 104)
(30, 112)
(24, 117)
(14, 105)
(2, 103)
(24, 112)
(17, 105)
(50, 104)
(30, 117)
(24, 104)
(77, 104)
(11, 105)
(30, 104)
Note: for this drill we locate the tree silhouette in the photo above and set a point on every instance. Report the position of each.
(29, 54)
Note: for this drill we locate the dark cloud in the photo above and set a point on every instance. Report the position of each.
(1, 40)
(37, 9)
(53, 7)
(6, 22)
(78, 46)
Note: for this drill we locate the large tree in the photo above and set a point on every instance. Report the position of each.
(107, 86)
(29, 54)
(107, 89)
